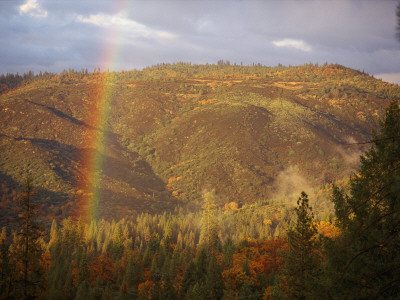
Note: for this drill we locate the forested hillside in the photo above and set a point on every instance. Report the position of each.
(174, 132)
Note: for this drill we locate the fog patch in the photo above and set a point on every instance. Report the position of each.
(350, 153)
(289, 184)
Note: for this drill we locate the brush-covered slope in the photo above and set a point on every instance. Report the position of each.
(174, 131)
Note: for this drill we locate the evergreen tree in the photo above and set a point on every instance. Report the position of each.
(210, 228)
(155, 272)
(245, 291)
(66, 290)
(53, 234)
(301, 272)
(127, 238)
(364, 260)
(27, 249)
(133, 276)
(214, 281)
(83, 291)
(154, 243)
(130, 273)
(83, 270)
(98, 290)
(168, 292)
(189, 278)
(5, 266)
(167, 239)
(228, 251)
(117, 246)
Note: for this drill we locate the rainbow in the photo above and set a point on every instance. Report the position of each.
(98, 115)
(95, 156)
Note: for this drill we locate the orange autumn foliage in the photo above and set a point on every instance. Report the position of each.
(144, 289)
(45, 261)
(172, 179)
(263, 257)
(103, 266)
(328, 229)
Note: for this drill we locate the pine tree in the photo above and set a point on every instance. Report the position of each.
(155, 272)
(27, 249)
(210, 228)
(133, 275)
(83, 269)
(364, 260)
(189, 278)
(301, 271)
(53, 234)
(127, 239)
(246, 291)
(5, 266)
(228, 251)
(117, 246)
(154, 243)
(214, 281)
(167, 237)
(83, 291)
(168, 292)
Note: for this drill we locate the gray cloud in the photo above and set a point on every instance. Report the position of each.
(358, 34)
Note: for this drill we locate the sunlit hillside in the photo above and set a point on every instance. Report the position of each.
(174, 132)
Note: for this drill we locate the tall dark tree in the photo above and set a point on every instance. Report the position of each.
(5, 266)
(194, 282)
(214, 281)
(27, 249)
(365, 258)
(301, 271)
(189, 278)
(83, 269)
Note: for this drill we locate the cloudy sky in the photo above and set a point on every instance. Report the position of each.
(54, 35)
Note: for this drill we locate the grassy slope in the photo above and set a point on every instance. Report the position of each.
(251, 133)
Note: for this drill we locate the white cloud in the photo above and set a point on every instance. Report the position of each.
(389, 77)
(124, 23)
(105, 20)
(292, 43)
(32, 8)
